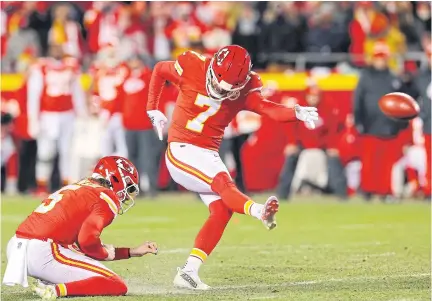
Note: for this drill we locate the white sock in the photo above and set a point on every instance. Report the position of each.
(256, 210)
(192, 264)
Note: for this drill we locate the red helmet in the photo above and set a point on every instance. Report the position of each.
(228, 73)
(122, 176)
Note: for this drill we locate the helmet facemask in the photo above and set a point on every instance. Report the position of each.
(128, 194)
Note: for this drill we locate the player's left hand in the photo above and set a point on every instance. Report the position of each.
(148, 247)
(158, 120)
(307, 115)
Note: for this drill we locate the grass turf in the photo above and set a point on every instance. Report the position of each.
(321, 250)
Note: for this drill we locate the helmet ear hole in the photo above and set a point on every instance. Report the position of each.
(115, 179)
(219, 75)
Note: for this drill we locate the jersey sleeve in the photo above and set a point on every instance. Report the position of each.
(255, 102)
(103, 212)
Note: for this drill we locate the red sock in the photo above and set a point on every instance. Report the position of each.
(94, 286)
(231, 196)
(211, 232)
(209, 235)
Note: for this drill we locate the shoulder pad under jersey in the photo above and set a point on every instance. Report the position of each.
(187, 60)
(255, 83)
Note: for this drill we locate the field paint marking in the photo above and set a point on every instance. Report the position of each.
(160, 290)
(301, 246)
(387, 254)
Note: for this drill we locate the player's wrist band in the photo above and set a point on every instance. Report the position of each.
(122, 253)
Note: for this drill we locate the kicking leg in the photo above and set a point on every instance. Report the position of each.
(238, 202)
(205, 242)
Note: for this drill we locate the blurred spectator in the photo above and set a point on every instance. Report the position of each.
(54, 96)
(282, 29)
(23, 43)
(159, 19)
(423, 83)
(311, 154)
(349, 148)
(8, 155)
(132, 39)
(102, 26)
(185, 31)
(246, 29)
(66, 32)
(108, 75)
(380, 149)
(325, 34)
(423, 14)
(216, 33)
(143, 145)
(370, 26)
(412, 165)
(410, 26)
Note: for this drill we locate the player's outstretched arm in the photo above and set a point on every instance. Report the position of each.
(148, 247)
(278, 112)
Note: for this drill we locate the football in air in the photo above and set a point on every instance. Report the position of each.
(399, 106)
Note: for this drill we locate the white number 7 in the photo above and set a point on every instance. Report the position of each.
(197, 123)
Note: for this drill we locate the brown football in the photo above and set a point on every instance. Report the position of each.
(399, 106)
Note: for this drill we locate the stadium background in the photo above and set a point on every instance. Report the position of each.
(292, 44)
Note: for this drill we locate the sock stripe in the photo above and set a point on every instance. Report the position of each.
(199, 254)
(247, 207)
(62, 290)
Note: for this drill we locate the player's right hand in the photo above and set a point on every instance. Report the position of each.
(158, 120)
(111, 252)
(148, 247)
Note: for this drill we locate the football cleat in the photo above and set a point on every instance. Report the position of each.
(45, 291)
(271, 207)
(189, 280)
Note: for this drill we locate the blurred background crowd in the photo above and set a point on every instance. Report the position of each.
(75, 78)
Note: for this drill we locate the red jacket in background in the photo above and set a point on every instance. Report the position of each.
(323, 136)
(135, 95)
(15, 103)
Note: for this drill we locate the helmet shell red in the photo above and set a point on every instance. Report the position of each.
(229, 71)
(123, 177)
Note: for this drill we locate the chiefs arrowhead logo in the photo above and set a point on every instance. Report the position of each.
(221, 55)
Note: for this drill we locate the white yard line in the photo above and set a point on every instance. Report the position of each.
(280, 247)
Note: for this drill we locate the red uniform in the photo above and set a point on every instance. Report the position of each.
(58, 78)
(197, 119)
(135, 93)
(107, 86)
(322, 136)
(74, 214)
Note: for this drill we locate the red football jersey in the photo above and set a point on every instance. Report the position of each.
(197, 118)
(135, 94)
(107, 86)
(58, 80)
(63, 215)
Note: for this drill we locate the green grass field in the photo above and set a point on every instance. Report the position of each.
(321, 250)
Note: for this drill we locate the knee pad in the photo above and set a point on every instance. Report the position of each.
(219, 210)
(221, 182)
